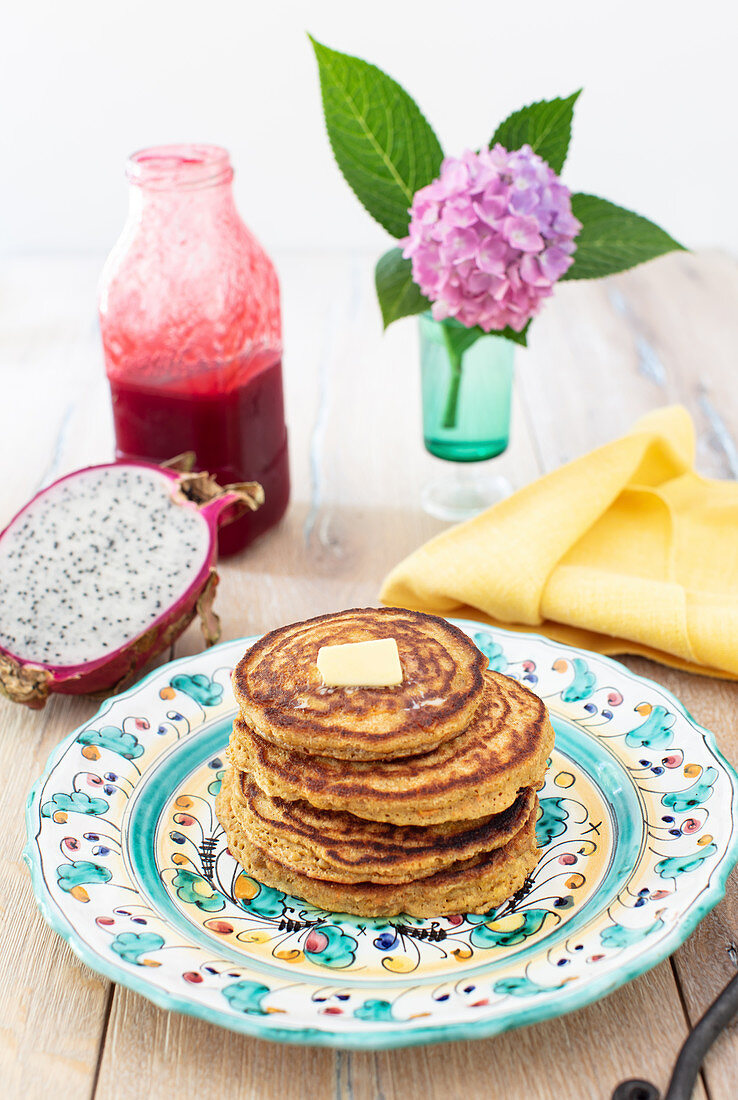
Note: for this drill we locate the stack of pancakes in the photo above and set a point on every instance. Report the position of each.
(419, 798)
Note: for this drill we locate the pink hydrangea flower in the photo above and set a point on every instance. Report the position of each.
(490, 237)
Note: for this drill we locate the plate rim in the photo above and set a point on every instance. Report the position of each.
(566, 1000)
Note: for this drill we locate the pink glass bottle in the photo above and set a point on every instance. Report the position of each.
(191, 329)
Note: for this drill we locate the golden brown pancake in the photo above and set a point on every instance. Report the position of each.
(478, 773)
(282, 698)
(340, 847)
(473, 885)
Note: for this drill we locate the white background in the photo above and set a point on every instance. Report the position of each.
(83, 82)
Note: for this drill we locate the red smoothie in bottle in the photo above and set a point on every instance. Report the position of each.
(189, 311)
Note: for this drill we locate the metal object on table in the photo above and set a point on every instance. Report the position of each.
(692, 1054)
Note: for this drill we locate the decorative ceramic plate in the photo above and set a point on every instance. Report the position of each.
(637, 836)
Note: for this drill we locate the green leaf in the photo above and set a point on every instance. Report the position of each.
(545, 126)
(458, 338)
(398, 295)
(382, 143)
(516, 337)
(613, 239)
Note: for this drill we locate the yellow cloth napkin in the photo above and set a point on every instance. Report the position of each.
(625, 550)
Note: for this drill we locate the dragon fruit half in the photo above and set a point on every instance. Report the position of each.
(102, 570)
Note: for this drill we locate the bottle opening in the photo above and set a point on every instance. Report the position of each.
(179, 167)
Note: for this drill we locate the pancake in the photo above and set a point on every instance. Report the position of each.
(473, 885)
(343, 848)
(282, 697)
(478, 773)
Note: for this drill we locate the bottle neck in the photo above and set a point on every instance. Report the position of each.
(176, 183)
(174, 207)
(179, 168)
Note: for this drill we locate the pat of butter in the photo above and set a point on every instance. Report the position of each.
(361, 664)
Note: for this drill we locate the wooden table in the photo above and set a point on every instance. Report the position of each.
(601, 354)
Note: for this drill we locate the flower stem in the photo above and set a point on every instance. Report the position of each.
(452, 399)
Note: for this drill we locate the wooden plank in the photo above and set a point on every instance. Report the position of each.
(606, 352)
(687, 319)
(159, 1055)
(55, 410)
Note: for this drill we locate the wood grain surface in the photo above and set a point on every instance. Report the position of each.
(601, 354)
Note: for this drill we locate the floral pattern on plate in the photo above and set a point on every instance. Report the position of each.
(636, 831)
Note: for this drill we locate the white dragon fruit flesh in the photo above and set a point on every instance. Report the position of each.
(102, 570)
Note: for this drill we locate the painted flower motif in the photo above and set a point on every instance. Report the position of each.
(552, 818)
(375, 1011)
(130, 946)
(510, 930)
(76, 802)
(214, 787)
(81, 872)
(493, 651)
(682, 802)
(618, 936)
(256, 898)
(200, 688)
(655, 733)
(246, 997)
(489, 238)
(115, 740)
(329, 945)
(194, 889)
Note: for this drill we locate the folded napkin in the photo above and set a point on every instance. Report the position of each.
(625, 550)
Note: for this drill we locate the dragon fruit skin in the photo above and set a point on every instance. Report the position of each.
(161, 527)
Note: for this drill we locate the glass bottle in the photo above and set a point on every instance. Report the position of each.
(191, 329)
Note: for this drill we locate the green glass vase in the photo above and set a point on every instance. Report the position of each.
(466, 384)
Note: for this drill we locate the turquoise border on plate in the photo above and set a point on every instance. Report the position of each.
(560, 1002)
